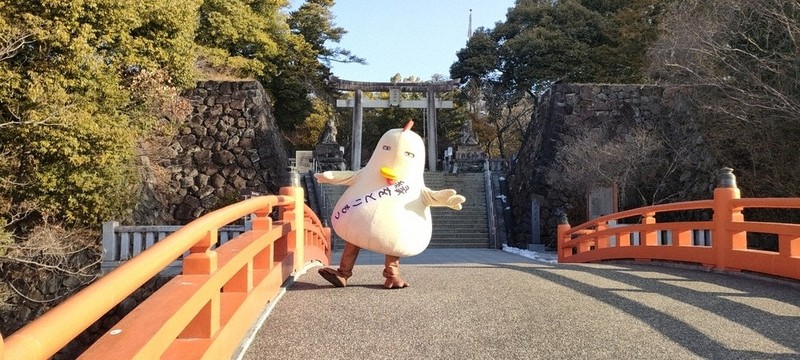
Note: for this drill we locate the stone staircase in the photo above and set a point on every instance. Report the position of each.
(467, 228)
(327, 195)
(313, 197)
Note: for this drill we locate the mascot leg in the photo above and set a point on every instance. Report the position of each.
(339, 277)
(392, 273)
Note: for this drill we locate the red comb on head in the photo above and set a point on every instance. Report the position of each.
(408, 126)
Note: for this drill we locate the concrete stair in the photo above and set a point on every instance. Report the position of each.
(467, 228)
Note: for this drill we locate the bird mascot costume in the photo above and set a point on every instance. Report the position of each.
(386, 207)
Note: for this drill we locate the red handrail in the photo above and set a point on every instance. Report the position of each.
(600, 239)
(205, 311)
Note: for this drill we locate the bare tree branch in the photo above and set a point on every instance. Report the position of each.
(49, 250)
(12, 42)
(52, 119)
(747, 50)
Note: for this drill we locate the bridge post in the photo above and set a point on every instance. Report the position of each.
(723, 239)
(649, 238)
(601, 242)
(202, 260)
(295, 214)
(563, 227)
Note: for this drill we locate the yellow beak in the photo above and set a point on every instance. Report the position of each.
(389, 174)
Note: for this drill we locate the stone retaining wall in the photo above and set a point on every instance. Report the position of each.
(565, 112)
(230, 144)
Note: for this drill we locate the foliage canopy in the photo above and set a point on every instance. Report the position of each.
(542, 42)
(84, 81)
(68, 117)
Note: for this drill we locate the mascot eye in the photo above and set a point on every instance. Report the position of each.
(409, 154)
(387, 147)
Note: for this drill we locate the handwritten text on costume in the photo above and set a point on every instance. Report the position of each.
(398, 189)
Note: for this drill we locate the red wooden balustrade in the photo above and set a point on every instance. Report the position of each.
(202, 313)
(603, 239)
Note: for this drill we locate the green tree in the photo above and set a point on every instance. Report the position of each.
(314, 22)
(68, 119)
(307, 134)
(479, 59)
(241, 38)
(83, 83)
(288, 53)
(304, 67)
(497, 111)
(543, 41)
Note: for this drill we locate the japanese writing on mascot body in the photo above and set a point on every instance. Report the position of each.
(399, 189)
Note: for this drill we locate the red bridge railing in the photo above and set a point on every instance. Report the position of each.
(204, 312)
(602, 239)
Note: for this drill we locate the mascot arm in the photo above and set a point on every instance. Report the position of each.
(443, 198)
(337, 177)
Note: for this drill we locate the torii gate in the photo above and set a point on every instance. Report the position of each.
(431, 103)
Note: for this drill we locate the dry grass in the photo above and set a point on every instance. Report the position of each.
(207, 71)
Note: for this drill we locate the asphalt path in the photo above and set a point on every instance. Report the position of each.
(490, 304)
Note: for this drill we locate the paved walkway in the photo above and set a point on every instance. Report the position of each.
(490, 304)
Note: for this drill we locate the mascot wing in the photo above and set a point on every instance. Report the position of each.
(345, 178)
(442, 198)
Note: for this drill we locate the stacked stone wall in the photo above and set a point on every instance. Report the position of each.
(567, 110)
(230, 144)
(43, 289)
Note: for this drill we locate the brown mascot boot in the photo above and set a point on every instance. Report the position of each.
(392, 273)
(339, 277)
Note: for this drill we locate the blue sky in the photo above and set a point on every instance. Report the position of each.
(410, 37)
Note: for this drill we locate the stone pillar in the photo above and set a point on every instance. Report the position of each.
(536, 239)
(358, 119)
(432, 151)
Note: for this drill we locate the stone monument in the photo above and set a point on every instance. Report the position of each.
(469, 157)
(327, 153)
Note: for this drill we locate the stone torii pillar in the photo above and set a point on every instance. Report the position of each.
(431, 103)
